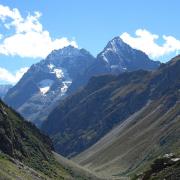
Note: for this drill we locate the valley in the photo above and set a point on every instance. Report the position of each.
(80, 117)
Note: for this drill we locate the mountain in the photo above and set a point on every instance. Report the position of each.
(66, 70)
(117, 57)
(120, 57)
(152, 131)
(46, 82)
(4, 89)
(131, 117)
(25, 153)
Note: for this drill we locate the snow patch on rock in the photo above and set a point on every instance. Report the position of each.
(50, 66)
(45, 85)
(175, 159)
(59, 73)
(64, 88)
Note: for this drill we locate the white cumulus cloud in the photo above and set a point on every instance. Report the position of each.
(29, 38)
(12, 78)
(146, 41)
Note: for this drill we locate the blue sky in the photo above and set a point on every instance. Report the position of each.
(152, 25)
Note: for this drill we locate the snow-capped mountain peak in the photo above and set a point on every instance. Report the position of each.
(48, 81)
(68, 51)
(117, 45)
(119, 57)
